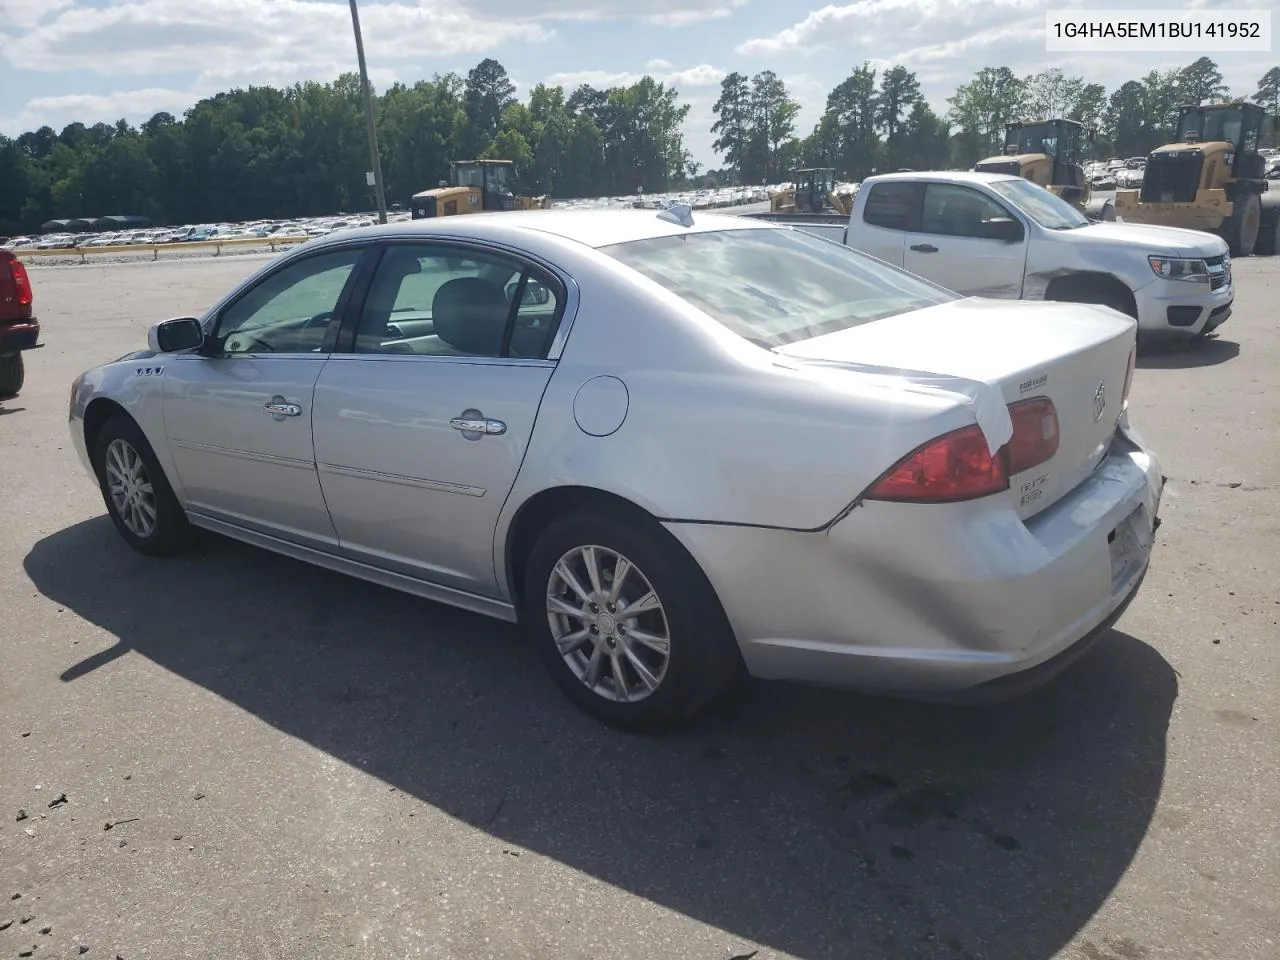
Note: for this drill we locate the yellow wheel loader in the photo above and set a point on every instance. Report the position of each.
(474, 186)
(814, 192)
(1212, 179)
(1048, 153)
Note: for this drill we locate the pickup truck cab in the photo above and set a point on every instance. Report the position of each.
(998, 235)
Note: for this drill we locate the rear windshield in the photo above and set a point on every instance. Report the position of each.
(777, 286)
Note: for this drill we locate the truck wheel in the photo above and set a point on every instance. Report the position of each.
(1269, 235)
(1240, 230)
(12, 375)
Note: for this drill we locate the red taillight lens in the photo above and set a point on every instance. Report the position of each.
(15, 285)
(1035, 434)
(1128, 376)
(958, 466)
(955, 466)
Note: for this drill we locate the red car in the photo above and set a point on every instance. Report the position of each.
(19, 329)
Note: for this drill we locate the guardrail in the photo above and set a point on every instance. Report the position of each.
(156, 248)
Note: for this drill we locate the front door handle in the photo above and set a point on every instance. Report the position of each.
(478, 425)
(279, 408)
(924, 248)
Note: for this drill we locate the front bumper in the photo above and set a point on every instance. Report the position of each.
(925, 600)
(1178, 307)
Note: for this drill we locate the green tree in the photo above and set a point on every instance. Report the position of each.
(733, 121)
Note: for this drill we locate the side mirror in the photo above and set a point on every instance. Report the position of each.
(535, 293)
(174, 336)
(1002, 228)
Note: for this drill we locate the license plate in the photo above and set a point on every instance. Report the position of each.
(1130, 543)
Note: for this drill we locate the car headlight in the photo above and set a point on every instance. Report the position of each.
(1172, 268)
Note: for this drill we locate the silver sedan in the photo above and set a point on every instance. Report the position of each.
(675, 448)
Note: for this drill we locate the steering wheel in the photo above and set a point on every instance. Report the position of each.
(319, 318)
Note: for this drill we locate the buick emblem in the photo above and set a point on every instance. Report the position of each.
(1099, 401)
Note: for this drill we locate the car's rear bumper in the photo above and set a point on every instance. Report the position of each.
(15, 337)
(927, 600)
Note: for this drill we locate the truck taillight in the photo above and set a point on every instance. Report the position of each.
(959, 466)
(15, 285)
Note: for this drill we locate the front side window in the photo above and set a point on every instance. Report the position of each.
(1046, 209)
(956, 211)
(777, 286)
(289, 311)
(430, 299)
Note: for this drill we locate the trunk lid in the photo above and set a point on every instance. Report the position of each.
(1075, 354)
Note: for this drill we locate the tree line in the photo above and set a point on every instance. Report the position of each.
(267, 152)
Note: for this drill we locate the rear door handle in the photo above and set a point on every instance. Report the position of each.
(924, 248)
(478, 425)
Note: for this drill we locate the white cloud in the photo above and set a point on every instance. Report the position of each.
(136, 106)
(232, 37)
(664, 13)
(658, 64)
(703, 75)
(24, 14)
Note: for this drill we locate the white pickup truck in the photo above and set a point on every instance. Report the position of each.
(997, 235)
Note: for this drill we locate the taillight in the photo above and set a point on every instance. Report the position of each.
(1035, 434)
(955, 466)
(958, 465)
(1128, 376)
(15, 285)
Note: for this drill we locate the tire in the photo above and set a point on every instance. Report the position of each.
(121, 448)
(1104, 294)
(12, 376)
(702, 657)
(1241, 229)
(1268, 237)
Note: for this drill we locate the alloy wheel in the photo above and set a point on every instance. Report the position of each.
(130, 488)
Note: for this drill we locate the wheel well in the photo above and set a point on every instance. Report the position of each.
(1093, 283)
(98, 412)
(549, 505)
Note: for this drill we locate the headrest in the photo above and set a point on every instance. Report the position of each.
(470, 314)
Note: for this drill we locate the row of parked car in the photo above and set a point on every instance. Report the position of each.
(277, 229)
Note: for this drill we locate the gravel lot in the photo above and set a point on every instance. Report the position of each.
(262, 759)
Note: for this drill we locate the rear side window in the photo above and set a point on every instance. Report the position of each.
(891, 205)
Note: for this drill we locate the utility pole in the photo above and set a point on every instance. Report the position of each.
(374, 161)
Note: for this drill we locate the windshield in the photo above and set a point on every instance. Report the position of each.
(1038, 139)
(1212, 125)
(1046, 209)
(777, 286)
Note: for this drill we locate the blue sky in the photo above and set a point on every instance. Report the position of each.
(99, 60)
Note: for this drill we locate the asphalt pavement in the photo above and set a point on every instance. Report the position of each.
(264, 759)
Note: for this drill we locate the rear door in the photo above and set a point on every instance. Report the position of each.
(423, 413)
(950, 246)
(888, 210)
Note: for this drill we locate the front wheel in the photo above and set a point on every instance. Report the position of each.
(12, 376)
(1240, 230)
(626, 622)
(137, 494)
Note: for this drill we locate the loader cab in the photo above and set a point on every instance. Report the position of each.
(494, 180)
(813, 187)
(1237, 124)
(1058, 140)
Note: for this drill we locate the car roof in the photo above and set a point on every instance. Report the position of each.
(593, 228)
(948, 176)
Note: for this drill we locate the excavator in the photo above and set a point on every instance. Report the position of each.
(1048, 152)
(1211, 178)
(474, 186)
(814, 192)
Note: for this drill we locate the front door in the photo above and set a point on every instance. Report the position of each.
(952, 248)
(238, 415)
(422, 422)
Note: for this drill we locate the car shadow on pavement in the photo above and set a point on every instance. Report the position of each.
(808, 821)
(1182, 356)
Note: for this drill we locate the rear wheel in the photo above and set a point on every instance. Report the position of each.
(1241, 229)
(12, 375)
(139, 500)
(626, 622)
(1269, 235)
